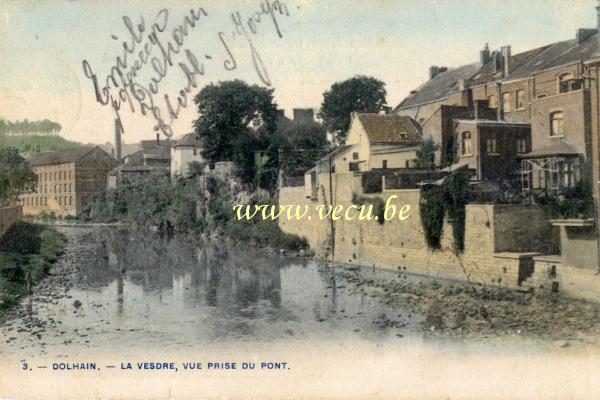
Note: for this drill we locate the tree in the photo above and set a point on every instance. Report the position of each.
(226, 111)
(426, 154)
(306, 143)
(16, 176)
(357, 94)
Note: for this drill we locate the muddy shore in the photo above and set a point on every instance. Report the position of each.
(465, 311)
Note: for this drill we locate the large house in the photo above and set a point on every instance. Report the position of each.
(374, 141)
(67, 180)
(552, 89)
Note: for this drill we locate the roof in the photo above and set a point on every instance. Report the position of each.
(190, 140)
(60, 156)
(152, 147)
(335, 151)
(556, 149)
(521, 65)
(488, 72)
(440, 86)
(390, 128)
(557, 54)
(493, 122)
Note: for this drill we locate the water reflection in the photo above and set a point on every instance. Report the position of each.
(138, 289)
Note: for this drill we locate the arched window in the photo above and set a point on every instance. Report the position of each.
(466, 143)
(556, 123)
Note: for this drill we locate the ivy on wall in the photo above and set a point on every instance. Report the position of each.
(376, 202)
(436, 201)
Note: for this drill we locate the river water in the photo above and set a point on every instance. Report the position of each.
(117, 288)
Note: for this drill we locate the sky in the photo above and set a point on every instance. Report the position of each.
(299, 49)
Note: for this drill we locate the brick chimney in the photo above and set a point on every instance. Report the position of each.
(584, 34)
(485, 56)
(506, 54)
(433, 71)
(117, 148)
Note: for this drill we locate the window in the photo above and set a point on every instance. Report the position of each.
(521, 145)
(491, 145)
(520, 99)
(493, 102)
(70, 200)
(384, 164)
(506, 102)
(406, 164)
(355, 156)
(556, 124)
(353, 167)
(466, 143)
(195, 152)
(568, 83)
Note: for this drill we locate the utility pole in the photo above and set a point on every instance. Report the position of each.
(332, 226)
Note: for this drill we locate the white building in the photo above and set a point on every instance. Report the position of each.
(185, 151)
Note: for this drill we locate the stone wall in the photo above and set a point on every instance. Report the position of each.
(399, 244)
(9, 216)
(524, 228)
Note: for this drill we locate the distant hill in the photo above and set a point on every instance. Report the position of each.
(37, 144)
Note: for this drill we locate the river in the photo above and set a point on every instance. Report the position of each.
(117, 288)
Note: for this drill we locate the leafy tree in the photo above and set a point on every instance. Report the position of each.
(306, 143)
(357, 94)
(16, 176)
(426, 154)
(226, 111)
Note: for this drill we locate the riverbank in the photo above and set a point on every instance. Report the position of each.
(464, 311)
(27, 252)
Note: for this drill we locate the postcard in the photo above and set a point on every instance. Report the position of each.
(299, 199)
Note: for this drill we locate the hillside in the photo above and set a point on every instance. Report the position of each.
(37, 144)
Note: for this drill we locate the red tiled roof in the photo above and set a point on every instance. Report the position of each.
(390, 128)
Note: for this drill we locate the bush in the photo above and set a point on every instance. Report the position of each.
(451, 197)
(376, 202)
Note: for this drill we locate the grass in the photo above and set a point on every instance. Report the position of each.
(26, 250)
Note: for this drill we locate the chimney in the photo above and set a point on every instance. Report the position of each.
(158, 139)
(485, 56)
(433, 71)
(304, 115)
(117, 148)
(500, 109)
(461, 84)
(506, 54)
(598, 14)
(584, 34)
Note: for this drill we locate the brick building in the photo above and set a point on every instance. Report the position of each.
(553, 91)
(67, 180)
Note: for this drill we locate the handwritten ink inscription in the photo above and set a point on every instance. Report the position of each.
(151, 51)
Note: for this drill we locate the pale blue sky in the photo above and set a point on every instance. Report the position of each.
(43, 44)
